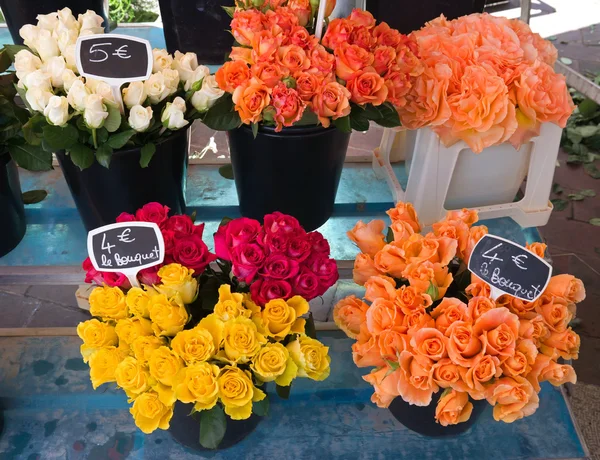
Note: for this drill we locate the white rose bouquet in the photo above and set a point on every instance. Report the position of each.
(81, 116)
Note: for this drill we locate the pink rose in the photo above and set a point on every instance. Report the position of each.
(125, 217)
(319, 243)
(281, 223)
(236, 232)
(327, 272)
(169, 237)
(191, 252)
(183, 224)
(299, 248)
(149, 276)
(264, 290)
(113, 279)
(91, 274)
(307, 284)
(247, 260)
(153, 212)
(275, 242)
(280, 267)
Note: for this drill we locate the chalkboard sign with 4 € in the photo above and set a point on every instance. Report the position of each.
(126, 247)
(114, 58)
(509, 268)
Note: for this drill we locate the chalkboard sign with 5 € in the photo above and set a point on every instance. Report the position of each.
(126, 247)
(114, 58)
(509, 268)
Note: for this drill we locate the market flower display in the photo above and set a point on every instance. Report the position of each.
(426, 324)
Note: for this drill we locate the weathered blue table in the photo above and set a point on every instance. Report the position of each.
(51, 412)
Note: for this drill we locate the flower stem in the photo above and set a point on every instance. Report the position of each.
(94, 138)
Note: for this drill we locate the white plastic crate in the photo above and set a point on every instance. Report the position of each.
(445, 178)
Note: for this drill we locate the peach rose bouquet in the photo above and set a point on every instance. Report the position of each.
(484, 80)
(281, 74)
(427, 325)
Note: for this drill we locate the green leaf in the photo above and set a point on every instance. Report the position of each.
(60, 138)
(587, 131)
(358, 119)
(147, 152)
(261, 408)
(588, 107)
(560, 205)
(587, 192)
(254, 129)
(310, 329)
(283, 392)
(384, 115)
(574, 159)
(574, 136)
(21, 92)
(82, 156)
(393, 364)
(101, 135)
(576, 197)
(390, 235)
(104, 154)
(34, 196)
(230, 10)
(225, 221)
(556, 188)
(432, 291)
(222, 116)
(12, 50)
(5, 61)
(31, 157)
(343, 124)
(212, 427)
(226, 171)
(595, 221)
(33, 129)
(308, 118)
(113, 121)
(592, 170)
(193, 216)
(116, 141)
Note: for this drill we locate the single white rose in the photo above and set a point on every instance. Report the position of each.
(65, 16)
(162, 60)
(91, 21)
(69, 55)
(25, 63)
(103, 89)
(77, 95)
(173, 114)
(46, 45)
(47, 21)
(30, 33)
(134, 94)
(185, 64)
(69, 77)
(201, 72)
(38, 79)
(57, 111)
(156, 88)
(95, 111)
(140, 118)
(55, 66)
(171, 80)
(206, 97)
(65, 37)
(38, 98)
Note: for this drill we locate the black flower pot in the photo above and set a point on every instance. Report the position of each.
(422, 419)
(12, 212)
(191, 25)
(407, 16)
(20, 12)
(185, 429)
(102, 194)
(296, 171)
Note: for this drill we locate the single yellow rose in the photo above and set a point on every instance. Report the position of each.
(194, 345)
(166, 394)
(103, 364)
(198, 384)
(132, 377)
(230, 305)
(130, 329)
(311, 357)
(215, 326)
(242, 339)
(108, 303)
(137, 300)
(237, 392)
(143, 346)
(177, 279)
(95, 334)
(149, 413)
(279, 317)
(164, 365)
(169, 316)
(273, 362)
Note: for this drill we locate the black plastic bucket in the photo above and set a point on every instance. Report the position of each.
(296, 171)
(102, 194)
(12, 212)
(20, 12)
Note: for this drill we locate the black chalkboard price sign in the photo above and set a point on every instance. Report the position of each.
(126, 248)
(509, 268)
(114, 58)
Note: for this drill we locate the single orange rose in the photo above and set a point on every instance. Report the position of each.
(390, 260)
(302, 10)
(269, 73)
(532, 326)
(566, 344)
(365, 351)
(409, 300)
(558, 374)
(468, 216)
(386, 36)
(232, 75)
(361, 36)
(517, 306)
(322, 61)
(455, 229)
(293, 58)
(539, 249)
(478, 306)
(555, 312)
(383, 315)
(391, 343)
(464, 347)
(416, 321)
(239, 53)
(307, 84)
(405, 212)
(350, 60)
(429, 342)
(245, 24)
(541, 362)
(349, 313)
(453, 408)
(338, 32)
(288, 105)
(368, 237)
(363, 18)
(385, 384)
(485, 368)
(522, 361)
(416, 385)
(448, 375)
(513, 398)
(498, 330)
(364, 268)
(398, 84)
(332, 100)
(380, 287)
(401, 230)
(283, 17)
(367, 87)
(302, 38)
(449, 311)
(250, 99)
(478, 288)
(419, 249)
(265, 45)
(423, 275)
(407, 62)
(566, 286)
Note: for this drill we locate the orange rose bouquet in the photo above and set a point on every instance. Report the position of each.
(484, 80)
(428, 325)
(281, 74)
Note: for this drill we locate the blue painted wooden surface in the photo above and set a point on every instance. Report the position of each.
(51, 412)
